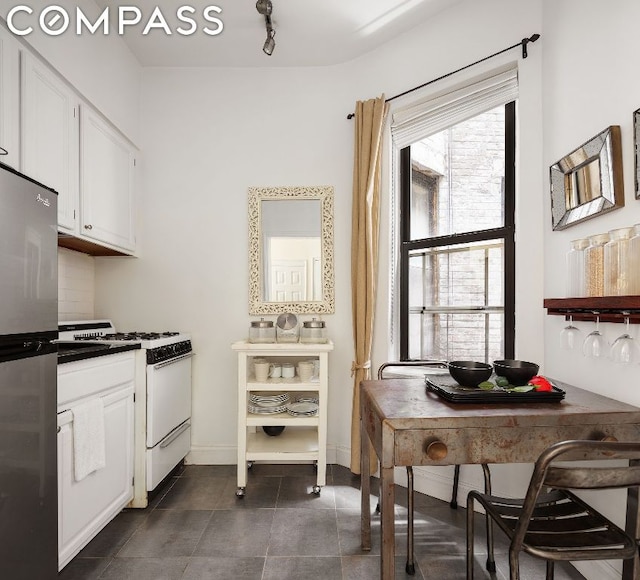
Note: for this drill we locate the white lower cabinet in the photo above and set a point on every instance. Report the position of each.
(304, 438)
(88, 505)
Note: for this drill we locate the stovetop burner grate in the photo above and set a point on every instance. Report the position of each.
(127, 336)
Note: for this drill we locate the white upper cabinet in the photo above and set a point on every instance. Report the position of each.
(69, 146)
(107, 164)
(9, 99)
(50, 136)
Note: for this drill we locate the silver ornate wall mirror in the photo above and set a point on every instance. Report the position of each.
(588, 181)
(291, 250)
(636, 144)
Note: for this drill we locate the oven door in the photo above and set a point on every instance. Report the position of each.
(168, 397)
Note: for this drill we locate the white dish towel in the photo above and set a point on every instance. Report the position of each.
(88, 438)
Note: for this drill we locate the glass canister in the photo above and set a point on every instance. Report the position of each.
(313, 331)
(594, 265)
(575, 268)
(262, 331)
(634, 250)
(617, 263)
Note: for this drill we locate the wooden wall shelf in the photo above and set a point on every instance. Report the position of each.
(609, 308)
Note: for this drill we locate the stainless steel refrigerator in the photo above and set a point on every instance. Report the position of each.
(28, 381)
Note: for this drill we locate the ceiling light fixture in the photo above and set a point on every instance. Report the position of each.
(265, 7)
(270, 43)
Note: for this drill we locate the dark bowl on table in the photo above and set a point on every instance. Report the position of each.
(469, 373)
(273, 430)
(517, 372)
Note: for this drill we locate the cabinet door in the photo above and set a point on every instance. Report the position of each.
(9, 99)
(86, 506)
(50, 136)
(107, 162)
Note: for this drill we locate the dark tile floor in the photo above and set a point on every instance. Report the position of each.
(196, 529)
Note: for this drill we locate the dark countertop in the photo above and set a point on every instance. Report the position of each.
(80, 350)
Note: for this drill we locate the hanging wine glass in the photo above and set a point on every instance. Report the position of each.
(570, 337)
(595, 345)
(624, 349)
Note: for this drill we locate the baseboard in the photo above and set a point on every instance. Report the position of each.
(343, 456)
(211, 455)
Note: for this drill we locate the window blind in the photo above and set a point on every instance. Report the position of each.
(421, 119)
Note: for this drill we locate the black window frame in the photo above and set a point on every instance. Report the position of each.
(506, 232)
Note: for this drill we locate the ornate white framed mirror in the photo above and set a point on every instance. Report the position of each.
(291, 265)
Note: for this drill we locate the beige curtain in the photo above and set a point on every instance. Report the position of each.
(369, 120)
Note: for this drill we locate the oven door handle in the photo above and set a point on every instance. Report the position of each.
(173, 360)
(173, 436)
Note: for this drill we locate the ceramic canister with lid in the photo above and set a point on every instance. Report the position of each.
(575, 268)
(262, 331)
(617, 262)
(594, 265)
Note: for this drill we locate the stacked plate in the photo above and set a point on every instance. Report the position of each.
(263, 404)
(307, 400)
(302, 409)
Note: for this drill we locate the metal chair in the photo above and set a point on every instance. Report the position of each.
(410, 565)
(555, 524)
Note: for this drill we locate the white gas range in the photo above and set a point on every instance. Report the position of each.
(162, 398)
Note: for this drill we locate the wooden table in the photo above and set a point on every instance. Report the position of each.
(409, 426)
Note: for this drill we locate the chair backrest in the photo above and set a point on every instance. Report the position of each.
(408, 365)
(575, 474)
(580, 476)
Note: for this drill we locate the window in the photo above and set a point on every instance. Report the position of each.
(457, 285)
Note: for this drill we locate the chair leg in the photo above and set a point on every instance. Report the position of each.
(410, 567)
(470, 536)
(491, 563)
(550, 569)
(454, 493)
(514, 565)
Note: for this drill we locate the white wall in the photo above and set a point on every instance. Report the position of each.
(589, 83)
(598, 89)
(209, 134)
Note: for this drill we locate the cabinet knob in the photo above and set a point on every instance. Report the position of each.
(609, 438)
(88, 227)
(436, 450)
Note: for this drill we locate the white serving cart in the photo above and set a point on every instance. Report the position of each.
(304, 438)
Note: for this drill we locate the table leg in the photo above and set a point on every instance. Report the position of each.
(365, 485)
(631, 568)
(387, 503)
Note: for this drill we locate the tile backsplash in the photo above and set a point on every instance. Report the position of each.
(76, 285)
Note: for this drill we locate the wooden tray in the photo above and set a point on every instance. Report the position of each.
(447, 388)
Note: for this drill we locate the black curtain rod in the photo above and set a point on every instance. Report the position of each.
(523, 43)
